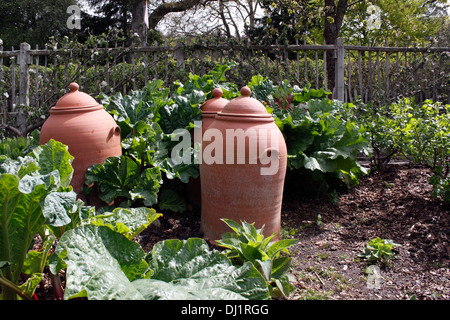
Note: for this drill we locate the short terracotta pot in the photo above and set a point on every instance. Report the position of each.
(90, 133)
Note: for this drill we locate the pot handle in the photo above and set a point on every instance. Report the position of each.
(268, 155)
(271, 157)
(115, 131)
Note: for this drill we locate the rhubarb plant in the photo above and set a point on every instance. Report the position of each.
(121, 177)
(102, 264)
(34, 190)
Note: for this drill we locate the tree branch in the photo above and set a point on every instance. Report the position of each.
(355, 2)
(165, 8)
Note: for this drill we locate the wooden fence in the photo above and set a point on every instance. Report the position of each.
(37, 78)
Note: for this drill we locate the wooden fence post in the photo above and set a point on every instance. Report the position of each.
(24, 76)
(340, 69)
(179, 56)
(24, 85)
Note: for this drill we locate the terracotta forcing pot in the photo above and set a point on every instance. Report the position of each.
(90, 133)
(243, 168)
(209, 108)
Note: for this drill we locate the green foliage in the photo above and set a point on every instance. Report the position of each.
(318, 135)
(34, 190)
(441, 185)
(379, 250)
(129, 222)
(13, 148)
(33, 22)
(285, 20)
(380, 130)
(422, 132)
(419, 133)
(113, 267)
(249, 244)
(394, 21)
(121, 177)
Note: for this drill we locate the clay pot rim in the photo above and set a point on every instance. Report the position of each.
(209, 114)
(78, 109)
(245, 117)
(248, 120)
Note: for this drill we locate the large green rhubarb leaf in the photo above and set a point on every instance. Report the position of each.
(195, 272)
(32, 190)
(20, 219)
(122, 177)
(127, 221)
(100, 263)
(104, 265)
(55, 156)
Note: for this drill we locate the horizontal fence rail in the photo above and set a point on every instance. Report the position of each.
(37, 78)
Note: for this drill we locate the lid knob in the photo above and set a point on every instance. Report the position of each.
(217, 93)
(246, 92)
(73, 87)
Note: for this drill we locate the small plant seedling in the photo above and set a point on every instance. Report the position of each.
(319, 222)
(247, 243)
(379, 250)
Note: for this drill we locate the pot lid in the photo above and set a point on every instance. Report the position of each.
(244, 106)
(75, 101)
(215, 104)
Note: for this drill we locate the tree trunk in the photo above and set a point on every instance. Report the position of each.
(334, 16)
(137, 22)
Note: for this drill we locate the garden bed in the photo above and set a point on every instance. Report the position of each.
(390, 204)
(325, 140)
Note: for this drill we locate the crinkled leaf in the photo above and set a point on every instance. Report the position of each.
(23, 216)
(54, 156)
(191, 264)
(183, 171)
(121, 176)
(128, 110)
(127, 221)
(147, 186)
(29, 182)
(20, 167)
(102, 264)
(55, 207)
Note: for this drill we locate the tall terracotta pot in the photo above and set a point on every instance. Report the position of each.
(90, 133)
(209, 108)
(243, 167)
